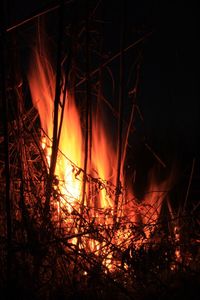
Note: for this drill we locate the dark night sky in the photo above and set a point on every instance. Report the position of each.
(168, 96)
(169, 77)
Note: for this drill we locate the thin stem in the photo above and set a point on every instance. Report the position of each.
(56, 110)
(189, 183)
(87, 108)
(120, 120)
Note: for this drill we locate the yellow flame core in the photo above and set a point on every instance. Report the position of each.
(71, 148)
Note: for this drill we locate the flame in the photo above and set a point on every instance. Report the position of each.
(102, 166)
(104, 160)
(42, 87)
(152, 202)
(146, 211)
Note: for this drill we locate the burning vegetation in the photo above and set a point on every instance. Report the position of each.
(72, 224)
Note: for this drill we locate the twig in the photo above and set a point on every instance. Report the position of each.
(189, 184)
(121, 110)
(134, 93)
(56, 109)
(35, 16)
(132, 45)
(87, 108)
(155, 155)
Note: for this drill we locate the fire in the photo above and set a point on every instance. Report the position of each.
(71, 146)
(104, 160)
(102, 167)
(152, 203)
(42, 86)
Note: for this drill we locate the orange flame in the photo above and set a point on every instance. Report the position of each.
(71, 156)
(104, 160)
(42, 86)
(152, 202)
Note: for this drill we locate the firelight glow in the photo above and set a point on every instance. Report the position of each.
(102, 166)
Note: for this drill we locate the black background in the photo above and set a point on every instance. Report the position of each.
(168, 93)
